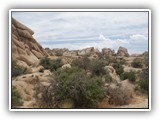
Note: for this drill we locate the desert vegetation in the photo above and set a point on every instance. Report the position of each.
(17, 69)
(16, 98)
(74, 85)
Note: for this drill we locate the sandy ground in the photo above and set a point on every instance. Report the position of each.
(143, 104)
(136, 102)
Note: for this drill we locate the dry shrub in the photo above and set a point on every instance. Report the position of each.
(119, 95)
(43, 96)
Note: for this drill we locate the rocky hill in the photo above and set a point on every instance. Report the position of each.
(25, 48)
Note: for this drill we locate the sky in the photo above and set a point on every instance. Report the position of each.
(78, 30)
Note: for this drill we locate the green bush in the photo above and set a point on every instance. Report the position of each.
(96, 67)
(118, 67)
(81, 62)
(137, 63)
(17, 69)
(131, 76)
(144, 80)
(52, 65)
(56, 64)
(46, 63)
(144, 85)
(16, 99)
(75, 85)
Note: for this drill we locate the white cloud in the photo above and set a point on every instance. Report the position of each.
(138, 38)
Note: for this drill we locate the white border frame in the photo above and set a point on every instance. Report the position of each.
(85, 10)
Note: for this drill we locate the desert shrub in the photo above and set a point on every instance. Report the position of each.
(52, 65)
(73, 84)
(144, 85)
(44, 96)
(131, 76)
(17, 69)
(118, 67)
(119, 95)
(146, 59)
(81, 63)
(144, 80)
(137, 63)
(96, 67)
(16, 99)
(56, 64)
(46, 63)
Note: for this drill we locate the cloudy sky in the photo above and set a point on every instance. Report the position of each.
(78, 30)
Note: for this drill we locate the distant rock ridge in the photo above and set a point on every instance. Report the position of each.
(90, 52)
(24, 47)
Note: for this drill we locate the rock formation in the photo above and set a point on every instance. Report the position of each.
(86, 51)
(24, 47)
(122, 52)
(107, 52)
(112, 73)
(70, 54)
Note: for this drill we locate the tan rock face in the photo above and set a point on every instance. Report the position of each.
(86, 51)
(112, 73)
(107, 52)
(122, 52)
(24, 47)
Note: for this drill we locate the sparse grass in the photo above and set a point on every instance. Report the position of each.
(16, 99)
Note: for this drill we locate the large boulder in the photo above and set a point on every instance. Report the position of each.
(66, 66)
(112, 73)
(107, 52)
(24, 47)
(122, 52)
(86, 51)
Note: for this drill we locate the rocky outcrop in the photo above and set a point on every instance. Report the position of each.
(86, 51)
(122, 52)
(112, 73)
(70, 54)
(24, 47)
(25, 84)
(107, 52)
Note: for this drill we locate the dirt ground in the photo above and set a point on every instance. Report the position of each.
(136, 102)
